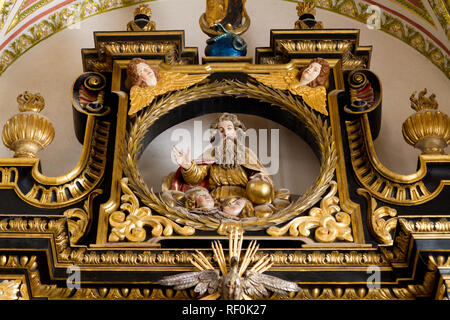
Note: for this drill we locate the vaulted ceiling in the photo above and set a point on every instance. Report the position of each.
(422, 24)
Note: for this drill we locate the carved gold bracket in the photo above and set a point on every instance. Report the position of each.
(79, 219)
(378, 226)
(428, 129)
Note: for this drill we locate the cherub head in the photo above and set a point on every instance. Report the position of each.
(315, 73)
(139, 73)
(237, 206)
(199, 197)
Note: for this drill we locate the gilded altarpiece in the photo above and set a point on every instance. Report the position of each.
(122, 236)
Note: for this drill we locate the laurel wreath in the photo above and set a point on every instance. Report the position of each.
(317, 126)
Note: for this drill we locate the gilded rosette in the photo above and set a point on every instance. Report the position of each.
(428, 129)
(28, 132)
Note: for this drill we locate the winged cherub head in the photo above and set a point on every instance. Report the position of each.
(140, 74)
(315, 73)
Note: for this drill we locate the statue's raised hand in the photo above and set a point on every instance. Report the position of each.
(183, 159)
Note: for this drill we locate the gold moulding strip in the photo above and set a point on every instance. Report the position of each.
(372, 180)
(70, 192)
(58, 231)
(8, 177)
(314, 292)
(166, 48)
(311, 46)
(9, 289)
(426, 225)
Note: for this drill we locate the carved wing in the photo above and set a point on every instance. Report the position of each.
(169, 81)
(314, 97)
(259, 284)
(204, 281)
(277, 80)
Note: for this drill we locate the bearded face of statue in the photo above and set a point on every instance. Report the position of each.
(229, 151)
(227, 130)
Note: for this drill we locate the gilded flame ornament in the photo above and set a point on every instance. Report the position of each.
(28, 132)
(141, 21)
(428, 129)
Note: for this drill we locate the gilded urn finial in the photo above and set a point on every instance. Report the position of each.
(28, 132)
(306, 11)
(428, 129)
(142, 19)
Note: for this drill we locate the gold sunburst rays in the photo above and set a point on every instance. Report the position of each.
(201, 262)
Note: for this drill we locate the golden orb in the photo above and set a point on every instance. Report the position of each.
(259, 191)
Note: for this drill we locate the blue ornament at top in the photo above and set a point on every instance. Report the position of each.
(227, 44)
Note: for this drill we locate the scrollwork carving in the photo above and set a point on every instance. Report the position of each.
(330, 223)
(78, 219)
(378, 226)
(131, 226)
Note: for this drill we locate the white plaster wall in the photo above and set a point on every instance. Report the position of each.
(51, 66)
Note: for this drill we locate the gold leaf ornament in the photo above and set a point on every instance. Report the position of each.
(9, 289)
(331, 223)
(132, 226)
(378, 226)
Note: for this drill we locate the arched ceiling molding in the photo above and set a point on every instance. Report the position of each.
(441, 10)
(396, 24)
(25, 23)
